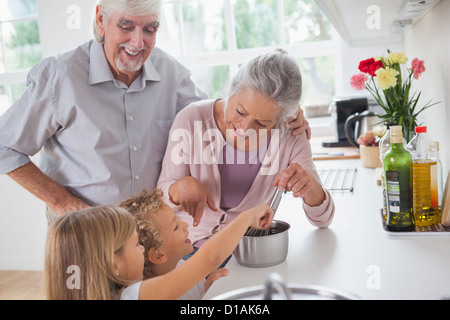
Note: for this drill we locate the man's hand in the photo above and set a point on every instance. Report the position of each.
(300, 124)
(58, 198)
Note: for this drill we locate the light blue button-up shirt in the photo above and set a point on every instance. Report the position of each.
(101, 139)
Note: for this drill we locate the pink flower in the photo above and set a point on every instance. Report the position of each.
(418, 67)
(358, 81)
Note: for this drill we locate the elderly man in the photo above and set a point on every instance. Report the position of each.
(101, 113)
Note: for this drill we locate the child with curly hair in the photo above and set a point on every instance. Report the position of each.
(164, 238)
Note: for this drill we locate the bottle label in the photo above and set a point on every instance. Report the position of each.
(434, 185)
(393, 191)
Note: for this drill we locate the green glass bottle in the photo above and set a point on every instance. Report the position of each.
(398, 178)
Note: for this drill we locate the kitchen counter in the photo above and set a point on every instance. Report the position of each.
(354, 254)
(335, 153)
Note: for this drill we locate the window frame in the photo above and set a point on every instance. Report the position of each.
(234, 57)
(8, 78)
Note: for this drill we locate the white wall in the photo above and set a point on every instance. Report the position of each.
(63, 25)
(22, 229)
(428, 40)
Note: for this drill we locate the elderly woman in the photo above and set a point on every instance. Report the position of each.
(227, 155)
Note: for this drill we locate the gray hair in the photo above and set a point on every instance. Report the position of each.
(276, 76)
(131, 7)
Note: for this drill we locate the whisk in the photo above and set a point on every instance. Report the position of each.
(251, 232)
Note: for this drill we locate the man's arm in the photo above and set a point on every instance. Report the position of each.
(58, 198)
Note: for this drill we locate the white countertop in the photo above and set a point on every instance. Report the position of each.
(354, 254)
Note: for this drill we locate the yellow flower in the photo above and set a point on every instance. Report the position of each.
(387, 78)
(397, 57)
(379, 131)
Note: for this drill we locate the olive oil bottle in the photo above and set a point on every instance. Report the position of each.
(425, 205)
(398, 178)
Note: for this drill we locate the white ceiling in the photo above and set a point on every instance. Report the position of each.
(350, 18)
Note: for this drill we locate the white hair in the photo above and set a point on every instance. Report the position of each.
(276, 76)
(131, 7)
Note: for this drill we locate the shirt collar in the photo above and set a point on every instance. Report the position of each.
(100, 71)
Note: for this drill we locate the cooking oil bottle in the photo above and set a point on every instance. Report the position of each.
(398, 178)
(424, 213)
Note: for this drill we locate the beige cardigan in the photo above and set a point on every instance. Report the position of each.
(194, 145)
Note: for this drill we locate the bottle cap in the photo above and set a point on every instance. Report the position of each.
(396, 134)
(422, 129)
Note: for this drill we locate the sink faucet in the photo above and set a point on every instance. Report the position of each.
(276, 281)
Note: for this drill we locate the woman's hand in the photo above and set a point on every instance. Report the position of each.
(300, 124)
(261, 216)
(298, 180)
(192, 196)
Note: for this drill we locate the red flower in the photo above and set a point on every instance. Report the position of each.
(370, 66)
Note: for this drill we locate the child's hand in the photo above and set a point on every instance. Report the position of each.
(262, 216)
(215, 275)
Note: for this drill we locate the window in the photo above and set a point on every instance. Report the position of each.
(19, 47)
(213, 38)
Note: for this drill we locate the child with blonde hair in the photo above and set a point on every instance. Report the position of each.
(165, 239)
(95, 254)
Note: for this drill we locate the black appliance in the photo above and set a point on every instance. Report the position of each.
(344, 109)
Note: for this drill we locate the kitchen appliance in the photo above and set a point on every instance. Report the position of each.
(358, 124)
(264, 251)
(276, 289)
(342, 108)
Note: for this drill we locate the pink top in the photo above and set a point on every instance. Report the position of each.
(194, 149)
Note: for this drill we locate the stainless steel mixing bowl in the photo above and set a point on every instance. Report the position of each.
(264, 251)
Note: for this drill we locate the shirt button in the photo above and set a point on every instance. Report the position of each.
(135, 148)
(138, 177)
(131, 119)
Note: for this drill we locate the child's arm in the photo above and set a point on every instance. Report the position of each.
(210, 255)
(215, 275)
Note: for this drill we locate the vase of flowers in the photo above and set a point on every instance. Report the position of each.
(383, 78)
